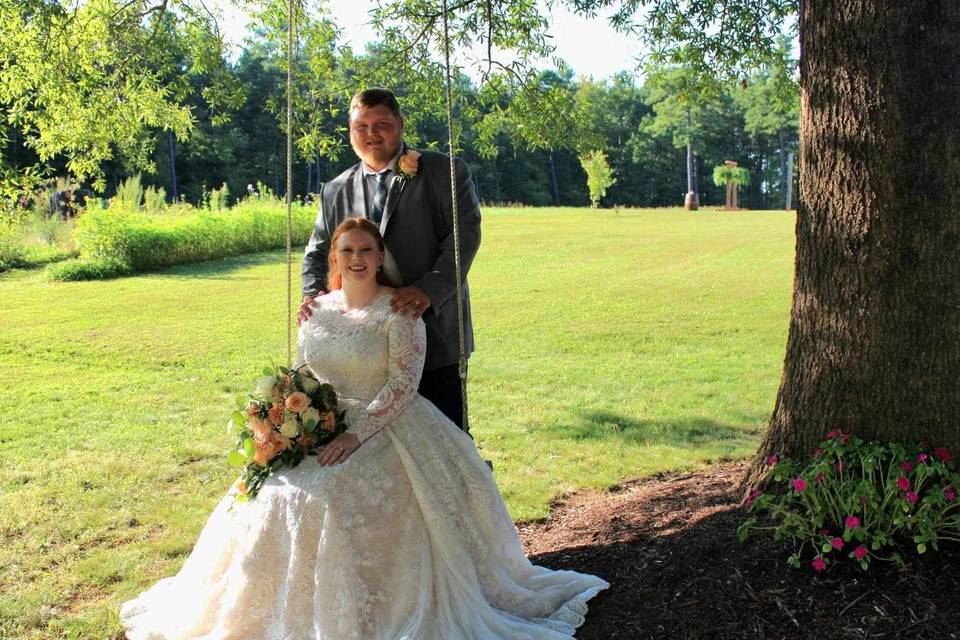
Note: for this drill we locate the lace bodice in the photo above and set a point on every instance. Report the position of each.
(372, 356)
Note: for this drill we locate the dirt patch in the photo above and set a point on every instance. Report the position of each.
(668, 547)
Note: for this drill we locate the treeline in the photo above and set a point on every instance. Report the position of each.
(522, 140)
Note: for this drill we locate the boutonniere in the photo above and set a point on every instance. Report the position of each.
(408, 164)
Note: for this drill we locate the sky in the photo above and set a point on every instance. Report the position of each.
(590, 46)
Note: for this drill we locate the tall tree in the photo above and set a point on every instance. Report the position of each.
(81, 81)
(683, 103)
(874, 340)
(771, 103)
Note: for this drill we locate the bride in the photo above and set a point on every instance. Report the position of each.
(396, 532)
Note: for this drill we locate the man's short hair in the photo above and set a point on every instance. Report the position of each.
(375, 97)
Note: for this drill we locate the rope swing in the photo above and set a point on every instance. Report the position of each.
(458, 268)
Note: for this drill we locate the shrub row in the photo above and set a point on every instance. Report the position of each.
(122, 241)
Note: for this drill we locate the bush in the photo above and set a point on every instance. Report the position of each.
(12, 252)
(83, 269)
(148, 242)
(859, 502)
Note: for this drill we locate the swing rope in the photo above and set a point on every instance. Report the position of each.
(290, 54)
(462, 366)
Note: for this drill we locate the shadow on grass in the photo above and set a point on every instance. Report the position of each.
(684, 433)
(221, 269)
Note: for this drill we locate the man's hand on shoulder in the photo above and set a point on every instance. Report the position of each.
(306, 307)
(410, 300)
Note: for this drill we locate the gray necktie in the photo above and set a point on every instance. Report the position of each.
(379, 197)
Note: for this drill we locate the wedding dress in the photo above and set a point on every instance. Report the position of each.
(406, 540)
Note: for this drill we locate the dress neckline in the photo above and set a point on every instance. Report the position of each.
(343, 311)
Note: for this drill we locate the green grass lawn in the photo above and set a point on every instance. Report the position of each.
(610, 345)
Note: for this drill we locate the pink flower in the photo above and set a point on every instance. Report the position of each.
(817, 452)
(907, 466)
(824, 532)
(903, 483)
(833, 434)
(942, 454)
(950, 494)
(799, 484)
(772, 460)
(819, 478)
(922, 457)
(844, 438)
(852, 522)
(837, 543)
(860, 552)
(912, 497)
(840, 466)
(753, 496)
(819, 564)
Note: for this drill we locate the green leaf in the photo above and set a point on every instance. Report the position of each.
(239, 418)
(236, 458)
(248, 448)
(921, 548)
(267, 371)
(241, 402)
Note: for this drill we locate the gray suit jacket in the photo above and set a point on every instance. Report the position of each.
(417, 227)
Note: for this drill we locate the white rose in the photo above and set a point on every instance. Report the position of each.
(310, 414)
(265, 386)
(309, 384)
(289, 428)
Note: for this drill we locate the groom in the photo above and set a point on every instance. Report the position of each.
(407, 194)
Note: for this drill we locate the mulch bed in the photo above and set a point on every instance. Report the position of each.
(668, 547)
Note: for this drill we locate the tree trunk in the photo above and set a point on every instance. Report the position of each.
(553, 179)
(173, 167)
(789, 197)
(691, 202)
(783, 163)
(874, 340)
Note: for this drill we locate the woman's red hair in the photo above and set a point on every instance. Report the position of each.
(334, 280)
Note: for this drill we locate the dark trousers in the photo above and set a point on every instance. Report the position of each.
(442, 388)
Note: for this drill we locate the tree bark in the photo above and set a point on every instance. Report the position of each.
(692, 200)
(874, 339)
(173, 167)
(553, 179)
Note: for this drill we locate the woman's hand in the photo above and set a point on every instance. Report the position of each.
(338, 449)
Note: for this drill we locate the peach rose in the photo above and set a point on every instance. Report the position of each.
(253, 409)
(409, 162)
(307, 440)
(275, 415)
(261, 430)
(297, 402)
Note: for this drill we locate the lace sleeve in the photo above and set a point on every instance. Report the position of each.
(407, 340)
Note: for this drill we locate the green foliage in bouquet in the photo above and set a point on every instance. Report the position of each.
(859, 502)
(288, 415)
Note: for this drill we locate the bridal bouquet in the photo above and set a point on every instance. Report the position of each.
(289, 413)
